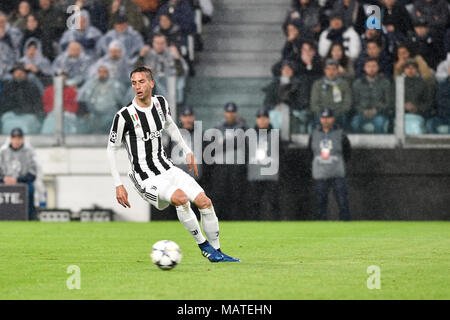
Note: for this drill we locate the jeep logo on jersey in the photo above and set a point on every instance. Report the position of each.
(113, 137)
(153, 135)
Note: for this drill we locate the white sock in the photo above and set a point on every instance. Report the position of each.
(189, 220)
(210, 226)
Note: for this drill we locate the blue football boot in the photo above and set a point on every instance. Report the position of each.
(209, 252)
(227, 258)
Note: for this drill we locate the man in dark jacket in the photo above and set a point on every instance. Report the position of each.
(372, 100)
(20, 98)
(331, 149)
(18, 165)
(263, 195)
(229, 169)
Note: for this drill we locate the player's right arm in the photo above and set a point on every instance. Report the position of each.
(114, 144)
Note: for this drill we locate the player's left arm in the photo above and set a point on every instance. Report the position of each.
(175, 134)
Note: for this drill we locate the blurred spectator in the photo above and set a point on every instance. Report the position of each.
(441, 123)
(434, 12)
(337, 32)
(32, 30)
(331, 92)
(102, 97)
(86, 35)
(165, 61)
(294, 39)
(98, 13)
(309, 14)
(7, 57)
(20, 103)
(308, 61)
(9, 6)
(374, 51)
(182, 14)
(52, 23)
(263, 186)
(426, 43)
(207, 9)
(287, 89)
(345, 68)
(405, 52)
(330, 149)
(353, 14)
(35, 62)
(74, 62)
(372, 100)
(19, 18)
(9, 35)
(170, 30)
(418, 98)
(70, 108)
(375, 35)
(442, 69)
(395, 17)
(128, 9)
(116, 61)
(18, 165)
(131, 40)
(229, 189)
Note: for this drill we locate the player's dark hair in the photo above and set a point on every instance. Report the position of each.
(147, 70)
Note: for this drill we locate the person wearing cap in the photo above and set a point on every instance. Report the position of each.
(230, 178)
(330, 149)
(418, 98)
(373, 100)
(331, 91)
(427, 42)
(20, 102)
(263, 186)
(18, 165)
(131, 40)
(337, 32)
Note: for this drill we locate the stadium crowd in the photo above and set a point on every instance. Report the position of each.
(332, 58)
(93, 46)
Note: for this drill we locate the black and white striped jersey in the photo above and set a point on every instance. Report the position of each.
(140, 131)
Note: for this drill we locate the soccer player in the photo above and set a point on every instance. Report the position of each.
(139, 127)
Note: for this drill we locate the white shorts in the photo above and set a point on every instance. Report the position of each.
(158, 190)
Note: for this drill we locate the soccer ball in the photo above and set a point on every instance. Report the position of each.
(166, 254)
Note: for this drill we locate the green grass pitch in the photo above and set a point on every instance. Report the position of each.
(281, 260)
